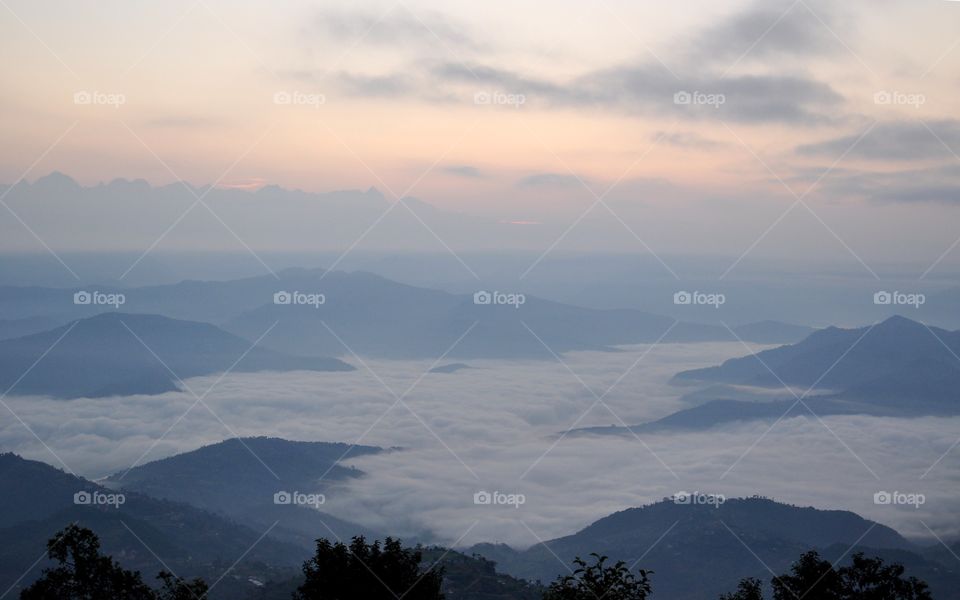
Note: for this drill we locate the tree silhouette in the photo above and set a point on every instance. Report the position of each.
(597, 581)
(85, 574)
(372, 572)
(812, 578)
(749, 589)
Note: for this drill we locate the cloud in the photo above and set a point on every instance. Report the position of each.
(940, 185)
(685, 139)
(896, 141)
(767, 31)
(501, 417)
(463, 171)
(549, 179)
(397, 28)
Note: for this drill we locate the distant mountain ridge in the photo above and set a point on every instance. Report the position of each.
(898, 362)
(378, 317)
(124, 354)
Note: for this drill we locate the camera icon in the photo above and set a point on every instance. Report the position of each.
(883, 97)
(682, 498)
(883, 298)
(882, 498)
(481, 98)
(282, 498)
(82, 97)
(482, 497)
(282, 98)
(282, 298)
(682, 98)
(82, 298)
(683, 298)
(482, 297)
(82, 498)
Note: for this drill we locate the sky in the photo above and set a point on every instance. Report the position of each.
(808, 119)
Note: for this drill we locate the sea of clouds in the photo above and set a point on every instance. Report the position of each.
(496, 427)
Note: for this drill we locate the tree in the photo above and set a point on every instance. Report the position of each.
(812, 578)
(749, 589)
(597, 581)
(85, 574)
(372, 572)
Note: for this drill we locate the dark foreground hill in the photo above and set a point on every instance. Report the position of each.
(140, 531)
(699, 551)
(239, 478)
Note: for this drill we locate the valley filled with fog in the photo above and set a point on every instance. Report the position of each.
(498, 426)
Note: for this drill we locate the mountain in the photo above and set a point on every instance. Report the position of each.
(378, 317)
(228, 478)
(694, 550)
(102, 356)
(897, 364)
(38, 501)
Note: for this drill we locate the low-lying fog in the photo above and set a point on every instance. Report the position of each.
(492, 427)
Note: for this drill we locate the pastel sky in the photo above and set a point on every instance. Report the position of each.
(519, 110)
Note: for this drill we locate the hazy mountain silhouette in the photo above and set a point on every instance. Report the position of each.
(239, 477)
(898, 363)
(379, 317)
(102, 356)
